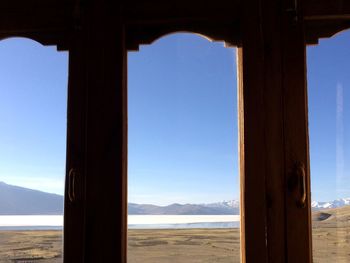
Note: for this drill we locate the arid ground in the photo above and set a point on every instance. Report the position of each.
(31, 246)
(187, 245)
(331, 242)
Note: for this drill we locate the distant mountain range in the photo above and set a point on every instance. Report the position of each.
(15, 200)
(220, 208)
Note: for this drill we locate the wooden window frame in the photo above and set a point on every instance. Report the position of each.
(271, 37)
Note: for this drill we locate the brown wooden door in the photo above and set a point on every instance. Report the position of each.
(74, 209)
(274, 140)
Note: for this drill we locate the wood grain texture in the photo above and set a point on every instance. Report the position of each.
(298, 219)
(106, 186)
(251, 136)
(74, 212)
(273, 131)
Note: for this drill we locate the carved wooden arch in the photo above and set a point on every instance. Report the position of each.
(325, 18)
(58, 40)
(230, 34)
(49, 22)
(145, 22)
(316, 30)
(227, 33)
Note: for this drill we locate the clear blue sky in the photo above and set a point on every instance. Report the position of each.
(182, 122)
(329, 117)
(182, 119)
(33, 95)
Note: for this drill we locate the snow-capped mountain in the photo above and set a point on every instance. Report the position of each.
(228, 203)
(332, 204)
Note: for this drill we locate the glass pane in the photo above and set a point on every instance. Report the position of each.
(33, 95)
(329, 120)
(183, 185)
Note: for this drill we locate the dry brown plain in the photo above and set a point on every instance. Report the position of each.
(331, 235)
(331, 241)
(186, 245)
(31, 246)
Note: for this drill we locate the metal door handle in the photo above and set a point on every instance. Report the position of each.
(297, 184)
(71, 184)
(302, 186)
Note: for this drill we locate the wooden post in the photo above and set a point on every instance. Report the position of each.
(251, 136)
(106, 138)
(298, 218)
(74, 210)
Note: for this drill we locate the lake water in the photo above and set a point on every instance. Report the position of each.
(45, 222)
(183, 221)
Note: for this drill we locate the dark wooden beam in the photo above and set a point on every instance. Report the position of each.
(324, 18)
(139, 11)
(326, 9)
(48, 22)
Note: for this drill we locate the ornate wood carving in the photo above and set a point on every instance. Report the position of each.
(143, 35)
(316, 29)
(48, 22)
(325, 18)
(147, 21)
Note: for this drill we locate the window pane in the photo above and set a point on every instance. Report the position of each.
(183, 185)
(329, 120)
(33, 95)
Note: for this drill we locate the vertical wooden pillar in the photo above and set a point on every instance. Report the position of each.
(251, 136)
(273, 132)
(74, 212)
(298, 218)
(106, 141)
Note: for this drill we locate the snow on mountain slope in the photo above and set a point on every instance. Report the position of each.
(332, 204)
